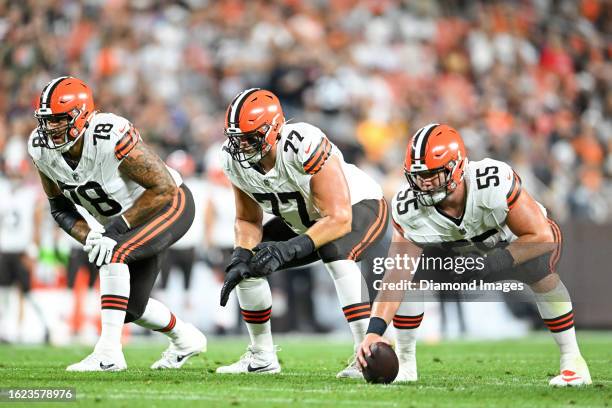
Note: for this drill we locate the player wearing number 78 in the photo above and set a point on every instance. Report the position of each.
(98, 161)
(324, 209)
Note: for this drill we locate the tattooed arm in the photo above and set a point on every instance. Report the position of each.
(64, 212)
(144, 167)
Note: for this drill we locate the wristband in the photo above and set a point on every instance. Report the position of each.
(241, 254)
(377, 326)
(302, 246)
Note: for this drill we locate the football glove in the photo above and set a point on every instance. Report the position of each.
(99, 248)
(270, 256)
(235, 272)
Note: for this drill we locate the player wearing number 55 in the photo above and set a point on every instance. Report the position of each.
(324, 209)
(98, 161)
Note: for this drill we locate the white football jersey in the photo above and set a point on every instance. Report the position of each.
(95, 184)
(285, 190)
(492, 186)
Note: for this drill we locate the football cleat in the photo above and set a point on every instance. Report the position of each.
(189, 343)
(254, 361)
(351, 371)
(100, 362)
(407, 369)
(574, 373)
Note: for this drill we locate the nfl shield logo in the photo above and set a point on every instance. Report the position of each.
(75, 176)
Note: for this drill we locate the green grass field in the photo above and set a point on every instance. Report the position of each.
(455, 374)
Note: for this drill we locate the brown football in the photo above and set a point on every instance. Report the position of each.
(383, 365)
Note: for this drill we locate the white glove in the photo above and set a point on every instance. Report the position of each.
(92, 237)
(99, 248)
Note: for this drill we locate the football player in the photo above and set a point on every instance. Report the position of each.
(324, 209)
(20, 212)
(98, 161)
(450, 199)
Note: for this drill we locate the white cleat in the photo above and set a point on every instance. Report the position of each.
(351, 371)
(574, 373)
(254, 361)
(189, 343)
(100, 362)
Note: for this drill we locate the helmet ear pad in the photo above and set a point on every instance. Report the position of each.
(456, 171)
(273, 133)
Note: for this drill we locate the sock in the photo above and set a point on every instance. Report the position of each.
(114, 295)
(406, 321)
(353, 296)
(555, 307)
(90, 307)
(159, 318)
(255, 299)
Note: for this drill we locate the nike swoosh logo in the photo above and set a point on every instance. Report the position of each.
(251, 369)
(181, 358)
(566, 379)
(308, 150)
(106, 366)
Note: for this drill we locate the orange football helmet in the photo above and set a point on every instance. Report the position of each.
(252, 124)
(435, 163)
(64, 99)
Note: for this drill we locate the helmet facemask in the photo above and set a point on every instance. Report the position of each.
(442, 180)
(248, 148)
(69, 131)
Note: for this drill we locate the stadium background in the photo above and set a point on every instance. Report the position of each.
(527, 82)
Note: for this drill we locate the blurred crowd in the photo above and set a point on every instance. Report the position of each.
(528, 82)
(523, 81)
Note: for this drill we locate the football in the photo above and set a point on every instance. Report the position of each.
(383, 364)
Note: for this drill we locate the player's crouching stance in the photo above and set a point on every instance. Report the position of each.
(325, 209)
(98, 161)
(451, 199)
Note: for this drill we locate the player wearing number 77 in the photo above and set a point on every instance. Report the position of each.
(480, 206)
(324, 209)
(99, 162)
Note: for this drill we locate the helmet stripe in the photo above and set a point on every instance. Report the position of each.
(421, 141)
(45, 96)
(233, 115)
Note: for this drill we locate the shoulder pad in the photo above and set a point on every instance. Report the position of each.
(119, 132)
(307, 146)
(497, 183)
(35, 146)
(404, 207)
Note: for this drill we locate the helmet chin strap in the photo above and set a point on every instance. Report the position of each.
(68, 145)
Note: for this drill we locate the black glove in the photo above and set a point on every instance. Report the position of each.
(116, 227)
(271, 255)
(235, 272)
(490, 263)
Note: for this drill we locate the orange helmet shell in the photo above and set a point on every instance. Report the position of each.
(434, 147)
(253, 122)
(67, 95)
(64, 97)
(255, 109)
